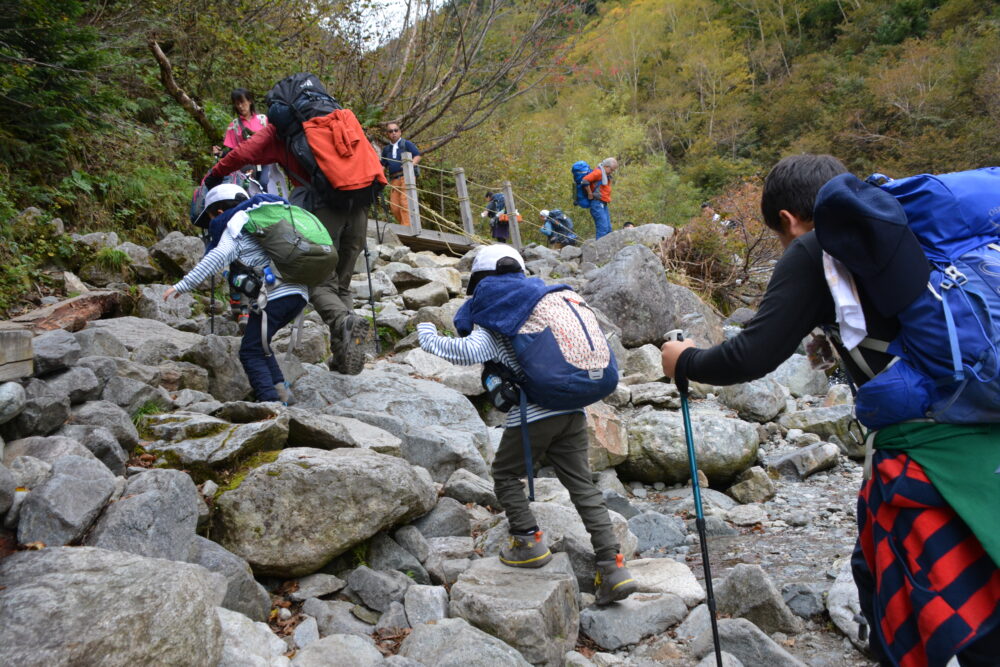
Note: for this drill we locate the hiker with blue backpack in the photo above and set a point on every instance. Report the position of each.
(558, 228)
(592, 190)
(904, 276)
(545, 359)
(496, 207)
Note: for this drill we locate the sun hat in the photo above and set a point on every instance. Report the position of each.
(490, 261)
(224, 192)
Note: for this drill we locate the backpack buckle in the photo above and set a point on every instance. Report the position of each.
(955, 278)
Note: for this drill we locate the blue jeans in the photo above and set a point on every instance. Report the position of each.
(263, 371)
(602, 217)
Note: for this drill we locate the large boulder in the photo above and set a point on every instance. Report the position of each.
(290, 517)
(630, 620)
(464, 379)
(801, 379)
(100, 343)
(535, 611)
(249, 644)
(63, 507)
(749, 593)
(54, 350)
(220, 356)
(140, 263)
(607, 437)
(176, 311)
(746, 642)
(452, 642)
(759, 401)
(12, 401)
(40, 416)
(311, 429)
(109, 416)
(665, 575)
(224, 446)
(724, 446)
(601, 251)
(48, 449)
(70, 607)
(834, 424)
(177, 254)
(80, 383)
(243, 593)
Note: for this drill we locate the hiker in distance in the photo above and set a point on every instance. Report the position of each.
(506, 314)
(558, 228)
(392, 160)
(926, 561)
(598, 190)
(344, 212)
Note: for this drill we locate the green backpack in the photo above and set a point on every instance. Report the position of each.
(298, 244)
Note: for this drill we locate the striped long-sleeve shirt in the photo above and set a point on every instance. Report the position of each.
(480, 346)
(235, 245)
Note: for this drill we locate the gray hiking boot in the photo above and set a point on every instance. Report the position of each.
(613, 581)
(525, 550)
(349, 356)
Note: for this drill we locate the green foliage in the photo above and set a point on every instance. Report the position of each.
(147, 408)
(112, 259)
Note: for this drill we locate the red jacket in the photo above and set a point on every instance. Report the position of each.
(264, 147)
(602, 192)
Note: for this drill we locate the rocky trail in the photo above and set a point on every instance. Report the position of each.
(152, 515)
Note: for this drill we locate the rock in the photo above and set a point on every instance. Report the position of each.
(445, 571)
(135, 333)
(535, 611)
(760, 400)
(12, 401)
(104, 368)
(728, 660)
(448, 518)
(749, 593)
(664, 575)
(313, 346)
(753, 485)
(156, 517)
(411, 539)
(54, 350)
(8, 486)
(394, 619)
(802, 463)
(225, 447)
(431, 294)
(90, 594)
(801, 379)
(99, 342)
(246, 412)
(746, 642)
(697, 621)
(658, 394)
(656, 531)
(601, 251)
(657, 450)
(425, 604)
(806, 600)
(844, 606)
(141, 265)
(833, 424)
(63, 507)
(607, 436)
(48, 449)
(408, 278)
(381, 286)
(98, 240)
(40, 416)
(630, 620)
(179, 375)
(332, 650)
(464, 379)
(335, 617)
(247, 644)
(316, 585)
(309, 429)
(378, 588)
(80, 384)
(109, 416)
(176, 312)
(465, 487)
(644, 362)
(242, 593)
(353, 495)
(838, 394)
(131, 395)
(385, 554)
(177, 254)
(451, 547)
(747, 515)
(29, 472)
(219, 355)
(452, 642)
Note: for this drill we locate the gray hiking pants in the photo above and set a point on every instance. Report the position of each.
(332, 298)
(563, 439)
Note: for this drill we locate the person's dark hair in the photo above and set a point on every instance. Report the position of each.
(505, 265)
(489, 194)
(628, 224)
(242, 93)
(225, 205)
(793, 184)
(705, 204)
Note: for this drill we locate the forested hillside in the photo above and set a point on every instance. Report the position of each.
(695, 97)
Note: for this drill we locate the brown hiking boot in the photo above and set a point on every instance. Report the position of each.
(613, 581)
(349, 354)
(525, 550)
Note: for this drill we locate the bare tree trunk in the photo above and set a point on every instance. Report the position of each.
(192, 107)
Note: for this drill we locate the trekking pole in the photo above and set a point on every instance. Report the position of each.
(682, 388)
(371, 297)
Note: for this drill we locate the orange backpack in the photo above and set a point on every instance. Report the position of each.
(342, 152)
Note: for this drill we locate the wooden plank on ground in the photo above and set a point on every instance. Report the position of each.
(444, 243)
(69, 314)
(16, 354)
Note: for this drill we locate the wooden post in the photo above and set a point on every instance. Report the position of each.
(515, 230)
(464, 206)
(16, 354)
(410, 185)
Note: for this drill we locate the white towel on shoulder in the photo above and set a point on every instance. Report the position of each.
(850, 318)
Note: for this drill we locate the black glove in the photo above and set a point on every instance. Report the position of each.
(211, 180)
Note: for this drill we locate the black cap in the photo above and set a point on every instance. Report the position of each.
(865, 228)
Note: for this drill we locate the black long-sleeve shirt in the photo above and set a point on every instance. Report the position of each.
(797, 301)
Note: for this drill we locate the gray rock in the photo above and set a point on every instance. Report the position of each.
(54, 350)
(411, 539)
(182, 425)
(317, 585)
(833, 424)
(630, 620)
(800, 377)
(91, 594)
(805, 599)
(48, 449)
(749, 593)
(353, 495)
(657, 531)
(665, 575)
(658, 452)
(104, 368)
(248, 643)
(448, 518)
(697, 622)
(155, 351)
(385, 554)
(445, 571)
(747, 515)
(98, 240)
(29, 472)
(802, 463)
(306, 632)
(619, 503)
(843, 604)
(246, 412)
(131, 395)
(607, 437)
(378, 588)
(185, 398)
(452, 642)
(99, 343)
(227, 446)
(12, 401)
(644, 362)
(452, 547)
(137, 332)
(80, 384)
(464, 379)
(331, 651)
(156, 517)
(63, 507)
(111, 417)
(394, 618)
(177, 254)
(309, 429)
(753, 485)
(728, 660)
(746, 642)
(408, 278)
(431, 294)
(601, 251)
(465, 487)
(335, 617)
(101, 442)
(40, 416)
(760, 400)
(535, 611)
(175, 312)
(141, 265)
(243, 593)
(381, 286)
(8, 486)
(219, 355)
(425, 604)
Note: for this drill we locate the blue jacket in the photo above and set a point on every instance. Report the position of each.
(395, 167)
(502, 303)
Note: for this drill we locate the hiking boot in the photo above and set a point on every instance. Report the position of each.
(613, 581)
(349, 359)
(525, 550)
(284, 393)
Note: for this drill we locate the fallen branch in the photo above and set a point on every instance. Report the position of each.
(192, 107)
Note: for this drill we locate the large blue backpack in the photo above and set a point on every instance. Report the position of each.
(580, 169)
(948, 348)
